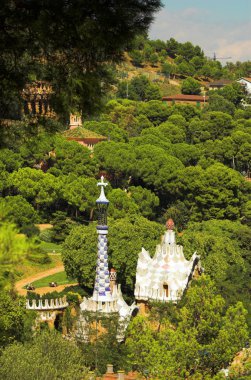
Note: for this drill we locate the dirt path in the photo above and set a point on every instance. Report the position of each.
(49, 289)
(20, 284)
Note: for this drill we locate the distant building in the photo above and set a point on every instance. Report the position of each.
(84, 136)
(194, 100)
(246, 83)
(36, 97)
(217, 85)
(165, 276)
(75, 121)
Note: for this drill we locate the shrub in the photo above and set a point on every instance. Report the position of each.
(46, 235)
(39, 257)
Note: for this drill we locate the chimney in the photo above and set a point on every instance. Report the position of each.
(113, 278)
(121, 375)
(109, 368)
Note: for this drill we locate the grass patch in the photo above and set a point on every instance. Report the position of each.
(50, 247)
(27, 268)
(60, 278)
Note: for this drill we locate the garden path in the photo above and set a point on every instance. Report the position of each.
(20, 284)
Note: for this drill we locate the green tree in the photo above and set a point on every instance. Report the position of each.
(108, 129)
(146, 200)
(168, 69)
(216, 192)
(153, 59)
(72, 158)
(17, 210)
(81, 193)
(98, 351)
(14, 247)
(15, 321)
(139, 88)
(221, 104)
(11, 160)
(190, 86)
(77, 67)
(53, 358)
(234, 93)
(156, 111)
(41, 188)
(186, 347)
(189, 155)
(186, 69)
(172, 47)
(62, 226)
(121, 204)
(137, 57)
(125, 242)
(172, 132)
(223, 246)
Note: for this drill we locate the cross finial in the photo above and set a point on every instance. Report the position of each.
(102, 198)
(102, 183)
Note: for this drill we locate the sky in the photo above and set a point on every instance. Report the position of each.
(217, 26)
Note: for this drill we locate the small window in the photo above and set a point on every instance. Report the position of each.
(165, 286)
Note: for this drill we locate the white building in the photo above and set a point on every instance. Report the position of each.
(246, 82)
(165, 276)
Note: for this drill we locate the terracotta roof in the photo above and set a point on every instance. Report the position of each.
(111, 376)
(195, 98)
(246, 78)
(83, 133)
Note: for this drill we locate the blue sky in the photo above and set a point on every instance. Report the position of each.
(221, 26)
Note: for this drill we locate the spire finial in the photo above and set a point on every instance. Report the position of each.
(102, 198)
(170, 224)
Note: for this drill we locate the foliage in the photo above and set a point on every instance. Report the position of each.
(78, 68)
(191, 345)
(17, 210)
(125, 241)
(53, 358)
(102, 346)
(13, 248)
(72, 158)
(61, 226)
(190, 86)
(139, 88)
(108, 129)
(38, 257)
(15, 321)
(216, 192)
(223, 247)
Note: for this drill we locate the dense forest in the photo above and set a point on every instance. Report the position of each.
(184, 162)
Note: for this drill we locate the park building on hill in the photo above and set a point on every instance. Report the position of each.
(194, 100)
(218, 84)
(165, 276)
(107, 297)
(37, 97)
(246, 83)
(83, 136)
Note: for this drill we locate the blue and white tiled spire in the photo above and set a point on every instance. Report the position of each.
(104, 299)
(102, 291)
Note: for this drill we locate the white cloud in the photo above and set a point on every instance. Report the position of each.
(201, 28)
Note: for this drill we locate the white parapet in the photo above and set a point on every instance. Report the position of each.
(47, 304)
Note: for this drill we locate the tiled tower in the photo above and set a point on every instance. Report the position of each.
(102, 291)
(105, 299)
